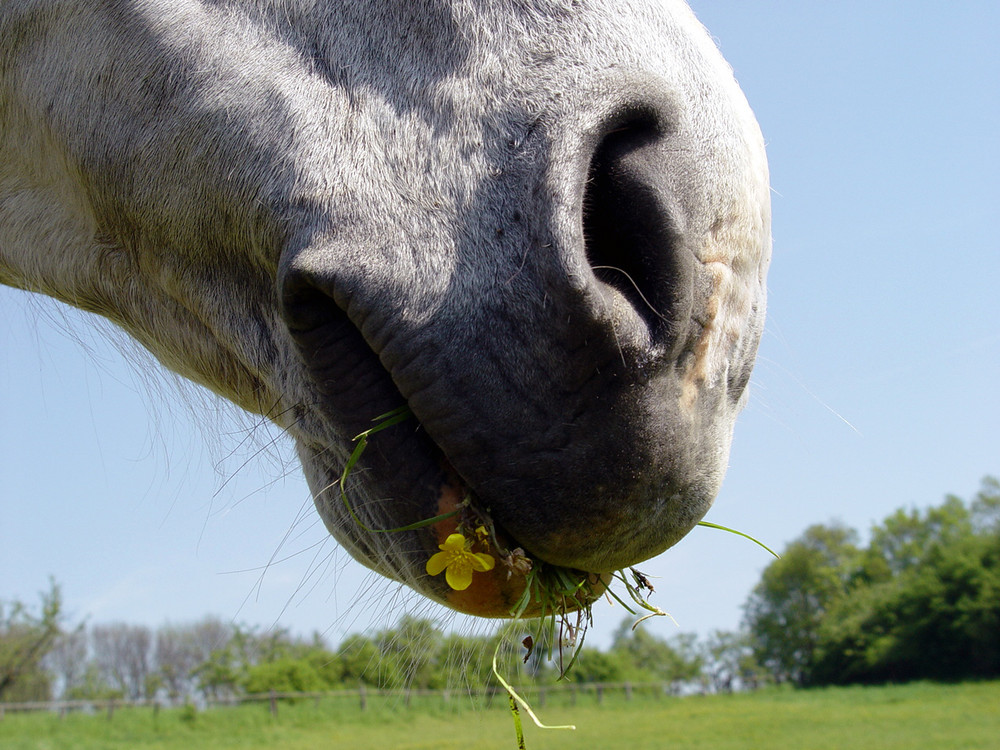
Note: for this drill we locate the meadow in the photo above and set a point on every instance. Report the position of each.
(921, 715)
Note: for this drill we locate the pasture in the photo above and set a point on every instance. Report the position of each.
(922, 715)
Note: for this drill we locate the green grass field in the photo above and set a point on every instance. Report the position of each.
(913, 717)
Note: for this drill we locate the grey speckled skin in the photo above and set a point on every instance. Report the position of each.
(543, 225)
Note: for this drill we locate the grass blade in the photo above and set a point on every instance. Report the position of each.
(739, 533)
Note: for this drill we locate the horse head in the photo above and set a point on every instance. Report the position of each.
(540, 229)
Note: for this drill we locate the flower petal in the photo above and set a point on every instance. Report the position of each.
(454, 543)
(481, 561)
(438, 562)
(459, 575)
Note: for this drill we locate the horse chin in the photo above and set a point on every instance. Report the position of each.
(395, 532)
(403, 500)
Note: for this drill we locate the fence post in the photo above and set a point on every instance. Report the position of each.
(628, 691)
(363, 694)
(600, 693)
(274, 703)
(111, 708)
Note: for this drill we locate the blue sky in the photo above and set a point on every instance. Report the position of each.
(877, 384)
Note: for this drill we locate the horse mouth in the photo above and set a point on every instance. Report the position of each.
(398, 535)
(401, 497)
(511, 583)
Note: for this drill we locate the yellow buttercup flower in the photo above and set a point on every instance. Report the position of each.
(458, 561)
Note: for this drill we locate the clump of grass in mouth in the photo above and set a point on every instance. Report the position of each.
(563, 597)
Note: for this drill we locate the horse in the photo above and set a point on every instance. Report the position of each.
(535, 233)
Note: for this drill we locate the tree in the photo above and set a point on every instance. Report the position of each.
(218, 677)
(66, 660)
(903, 539)
(412, 648)
(25, 638)
(180, 650)
(647, 657)
(123, 655)
(325, 662)
(593, 665)
(921, 601)
(92, 686)
(937, 620)
(362, 662)
(730, 663)
(285, 675)
(985, 509)
(463, 662)
(785, 610)
(226, 669)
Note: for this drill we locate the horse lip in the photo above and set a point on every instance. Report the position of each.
(344, 344)
(403, 457)
(402, 462)
(408, 464)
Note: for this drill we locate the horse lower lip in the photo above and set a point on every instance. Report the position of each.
(498, 593)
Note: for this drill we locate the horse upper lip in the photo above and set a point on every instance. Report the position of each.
(403, 467)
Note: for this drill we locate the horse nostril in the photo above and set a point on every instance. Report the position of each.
(632, 241)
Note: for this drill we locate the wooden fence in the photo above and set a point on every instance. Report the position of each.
(364, 695)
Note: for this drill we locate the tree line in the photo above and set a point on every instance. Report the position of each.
(216, 660)
(920, 600)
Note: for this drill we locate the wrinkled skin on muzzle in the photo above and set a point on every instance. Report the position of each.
(542, 228)
(574, 320)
